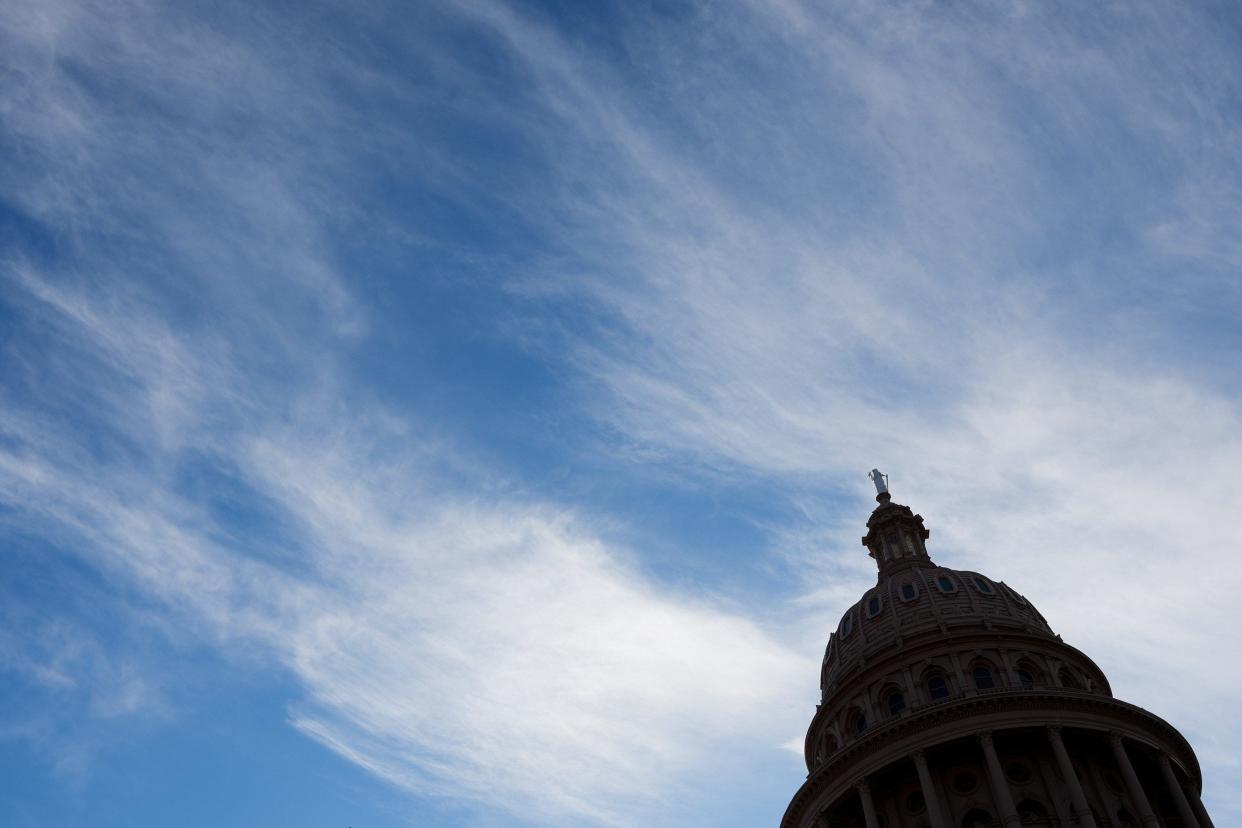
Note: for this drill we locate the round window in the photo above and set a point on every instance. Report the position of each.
(965, 782)
(1019, 772)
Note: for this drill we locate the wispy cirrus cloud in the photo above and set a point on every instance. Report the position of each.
(985, 249)
(454, 639)
(977, 284)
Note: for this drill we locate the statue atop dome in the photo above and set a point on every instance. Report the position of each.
(880, 479)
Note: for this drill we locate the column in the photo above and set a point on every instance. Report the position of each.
(930, 797)
(1011, 672)
(1081, 809)
(1205, 821)
(1179, 796)
(873, 718)
(963, 682)
(1000, 788)
(1137, 796)
(864, 793)
(916, 694)
(1059, 806)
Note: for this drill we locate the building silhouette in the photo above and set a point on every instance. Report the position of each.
(948, 702)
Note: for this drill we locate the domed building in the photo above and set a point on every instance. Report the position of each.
(947, 701)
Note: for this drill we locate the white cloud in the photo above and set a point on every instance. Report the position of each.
(835, 262)
(480, 649)
(1035, 428)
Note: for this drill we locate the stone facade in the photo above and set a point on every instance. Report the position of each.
(947, 701)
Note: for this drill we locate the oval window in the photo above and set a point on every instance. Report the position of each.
(873, 606)
(946, 584)
(965, 782)
(1019, 772)
(908, 592)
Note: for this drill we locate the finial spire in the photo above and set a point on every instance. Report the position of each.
(880, 479)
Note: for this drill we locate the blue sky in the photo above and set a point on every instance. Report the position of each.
(459, 414)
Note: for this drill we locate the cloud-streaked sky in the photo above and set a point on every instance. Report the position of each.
(459, 413)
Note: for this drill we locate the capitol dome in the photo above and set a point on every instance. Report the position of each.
(947, 700)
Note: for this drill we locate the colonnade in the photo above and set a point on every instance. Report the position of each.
(1189, 807)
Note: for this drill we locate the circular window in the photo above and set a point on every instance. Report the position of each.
(965, 782)
(1019, 772)
(915, 803)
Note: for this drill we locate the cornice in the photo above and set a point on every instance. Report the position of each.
(956, 718)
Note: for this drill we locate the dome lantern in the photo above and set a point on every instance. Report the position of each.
(895, 535)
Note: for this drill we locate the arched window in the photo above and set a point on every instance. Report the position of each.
(858, 722)
(983, 677)
(977, 818)
(847, 624)
(945, 583)
(937, 687)
(982, 585)
(908, 592)
(1028, 675)
(895, 702)
(873, 605)
(1068, 680)
(830, 745)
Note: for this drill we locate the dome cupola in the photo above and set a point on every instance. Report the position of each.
(895, 534)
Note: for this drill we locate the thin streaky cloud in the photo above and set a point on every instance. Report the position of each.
(294, 296)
